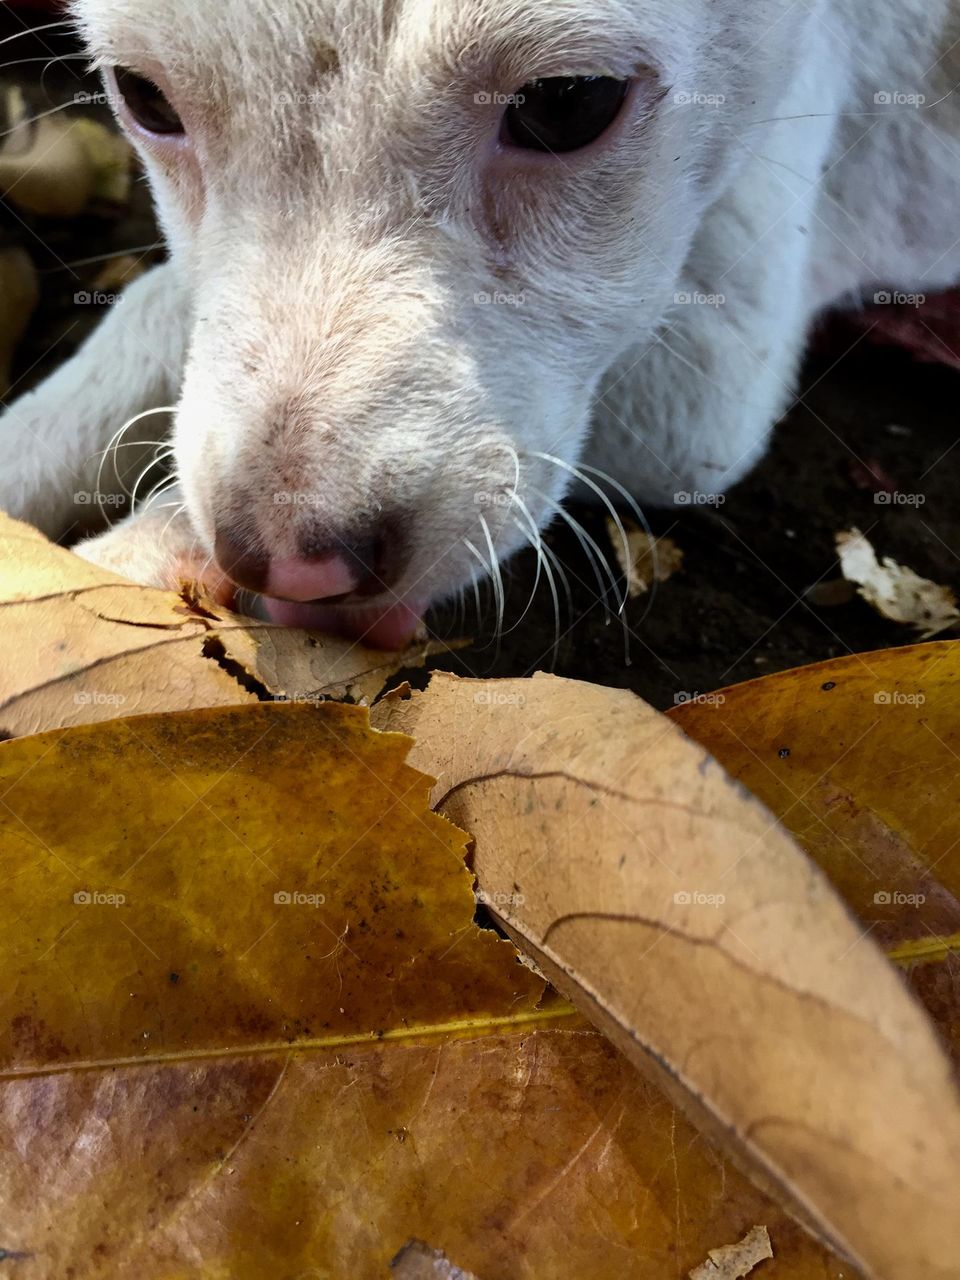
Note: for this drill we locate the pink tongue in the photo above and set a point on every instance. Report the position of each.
(379, 628)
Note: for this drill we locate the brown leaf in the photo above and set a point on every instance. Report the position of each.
(676, 914)
(734, 1261)
(91, 646)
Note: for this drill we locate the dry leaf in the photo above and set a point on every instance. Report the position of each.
(894, 591)
(650, 559)
(199, 1079)
(91, 646)
(677, 914)
(734, 1261)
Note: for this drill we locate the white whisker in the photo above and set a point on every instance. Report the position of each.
(36, 31)
(579, 475)
(64, 106)
(591, 549)
(115, 441)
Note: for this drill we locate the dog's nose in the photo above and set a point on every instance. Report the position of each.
(365, 566)
(244, 565)
(316, 579)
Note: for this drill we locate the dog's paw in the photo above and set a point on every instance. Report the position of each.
(154, 553)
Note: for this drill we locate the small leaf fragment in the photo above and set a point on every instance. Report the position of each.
(650, 559)
(734, 1261)
(895, 591)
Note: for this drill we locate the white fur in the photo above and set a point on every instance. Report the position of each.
(341, 207)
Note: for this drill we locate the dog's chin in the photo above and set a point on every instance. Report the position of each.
(389, 625)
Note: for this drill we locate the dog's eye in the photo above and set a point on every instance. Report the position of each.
(563, 113)
(148, 104)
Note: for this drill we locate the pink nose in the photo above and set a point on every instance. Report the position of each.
(304, 580)
(366, 566)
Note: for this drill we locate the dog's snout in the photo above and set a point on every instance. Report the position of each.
(326, 568)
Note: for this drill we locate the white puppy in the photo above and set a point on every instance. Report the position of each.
(430, 257)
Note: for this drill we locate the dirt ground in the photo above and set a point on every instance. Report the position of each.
(739, 609)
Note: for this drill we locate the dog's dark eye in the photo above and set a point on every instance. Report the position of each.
(563, 113)
(147, 103)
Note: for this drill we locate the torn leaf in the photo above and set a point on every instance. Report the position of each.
(734, 1261)
(650, 559)
(92, 646)
(895, 591)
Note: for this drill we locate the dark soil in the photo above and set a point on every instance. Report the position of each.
(739, 609)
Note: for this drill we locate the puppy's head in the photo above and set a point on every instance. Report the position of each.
(418, 232)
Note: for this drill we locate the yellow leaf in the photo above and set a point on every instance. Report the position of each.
(91, 646)
(198, 1080)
